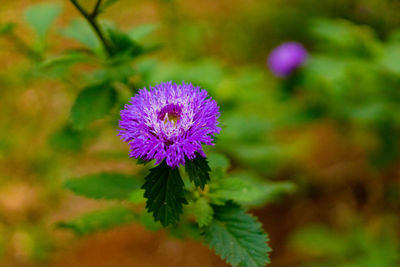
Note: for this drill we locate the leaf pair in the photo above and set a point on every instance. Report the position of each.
(110, 186)
(235, 235)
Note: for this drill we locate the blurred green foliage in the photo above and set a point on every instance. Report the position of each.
(99, 220)
(270, 127)
(355, 247)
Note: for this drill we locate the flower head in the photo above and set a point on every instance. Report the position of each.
(170, 121)
(287, 57)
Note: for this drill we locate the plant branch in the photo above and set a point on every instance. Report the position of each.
(91, 18)
(96, 9)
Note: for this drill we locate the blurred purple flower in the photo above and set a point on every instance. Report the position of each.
(170, 122)
(286, 58)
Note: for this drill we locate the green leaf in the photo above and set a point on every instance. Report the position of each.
(344, 37)
(247, 190)
(318, 240)
(219, 164)
(164, 190)
(394, 36)
(139, 32)
(41, 16)
(218, 161)
(123, 44)
(94, 102)
(7, 28)
(80, 31)
(237, 237)
(103, 185)
(203, 212)
(369, 249)
(99, 220)
(65, 59)
(106, 4)
(198, 170)
(136, 196)
(141, 161)
(335, 31)
(391, 58)
(68, 139)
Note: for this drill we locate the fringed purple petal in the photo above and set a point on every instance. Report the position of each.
(170, 122)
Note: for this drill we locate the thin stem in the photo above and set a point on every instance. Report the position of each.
(96, 9)
(91, 18)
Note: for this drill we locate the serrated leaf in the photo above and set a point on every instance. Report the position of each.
(93, 102)
(237, 237)
(41, 16)
(164, 190)
(198, 170)
(103, 186)
(99, 220)
(203, 212)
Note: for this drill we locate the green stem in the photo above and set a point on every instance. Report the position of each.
(96, 9)
(91, 18)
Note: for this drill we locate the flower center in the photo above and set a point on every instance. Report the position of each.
(171, 112)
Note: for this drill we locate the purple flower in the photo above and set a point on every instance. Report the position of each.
(170, 122)
(287, 57)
